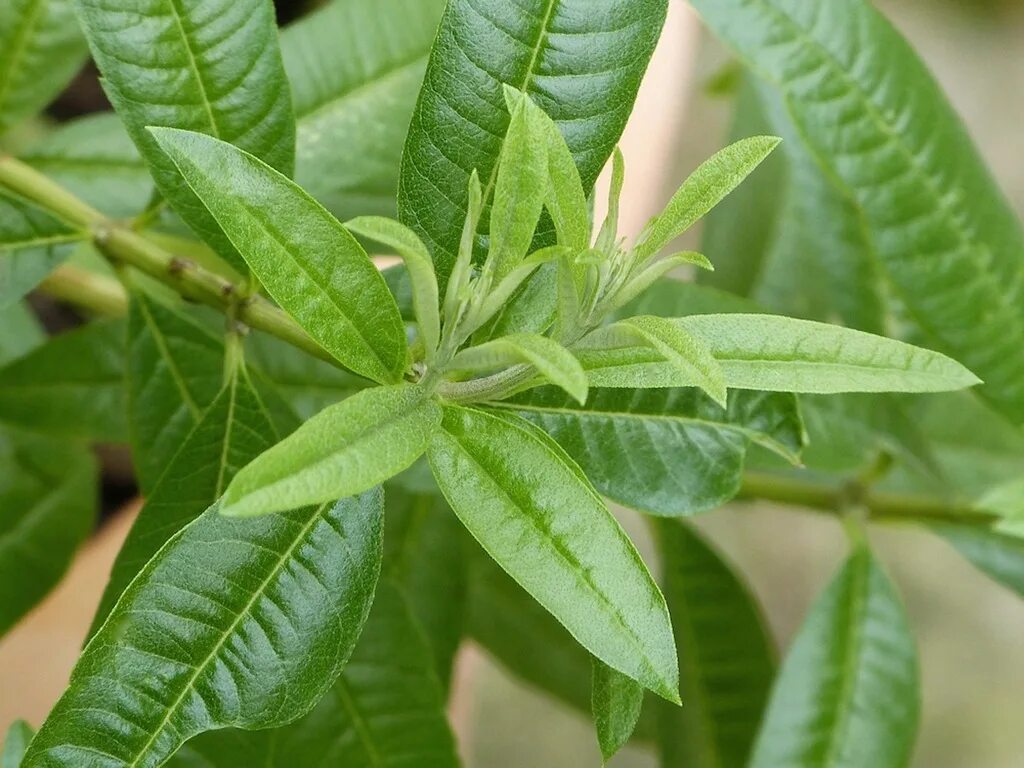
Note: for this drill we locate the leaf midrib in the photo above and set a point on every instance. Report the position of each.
(177, 14)
(172, 365)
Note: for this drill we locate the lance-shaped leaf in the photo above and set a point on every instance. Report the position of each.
(41, 49)
(998, 555)
(617, 702)
(48, 496)
(71, 386)
(233, 431)
(305, 259)
(848, 691)
(726, 656)
(664, 451)
(703, 190)
(345, 449)
(234, 623)
(580, 60)
(945, 236)
(533, 511)
(553, 361)
(175, 370)
(209, 67)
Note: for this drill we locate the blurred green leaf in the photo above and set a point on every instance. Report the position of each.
(998, 555)
(15, 743)
(617, 702)
(20, 332)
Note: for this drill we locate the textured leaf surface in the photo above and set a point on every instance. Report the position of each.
(213, 67)
(617, 702)
(580, 60)
(48, 496)
(726, 657)
(847, 694)
(305, 259)
(15, 743)
(535, 513)
(872, 115)
(242, 623)
(664, 451)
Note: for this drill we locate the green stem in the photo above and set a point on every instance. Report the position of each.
(98, 294)
(496, 387)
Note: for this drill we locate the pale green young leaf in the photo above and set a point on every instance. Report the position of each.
(15, 743)
(617, 701)
(531, 307)
(607, 236)
(419, 265)
(566, 200)
(535, 513)
(461, 271)
(654, 272)
(703, 190)
(553, 361)
(345, 449)
(251, 639)
(848, 692)
(499, 301)
(305, 259)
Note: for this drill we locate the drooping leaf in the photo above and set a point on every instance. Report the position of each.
(209, 67)
(535, 513)
(234, 623)
(71, 386)
(15, 743)
(41, 49)
(48, 496)
(664, 451)
(345, 449)
(726, 656)
(305, 259)
(998, 555)
(580, 60)
(946, 238)
(617, 702)
(848, 691)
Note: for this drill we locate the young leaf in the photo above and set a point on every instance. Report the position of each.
(848, 691)
(727, 659)
(617, 703)
(15, 743)
(209, 67)
(419, 265)
(535, 513)
(664, 451)
(553, 361)
(702, 191)
(346, 449)
(456, 293)
(305, 259)
(566, 200)
(252, 638)
(651, 274)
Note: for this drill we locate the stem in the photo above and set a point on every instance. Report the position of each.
(495, 387)
(31, 184)
(98, 294)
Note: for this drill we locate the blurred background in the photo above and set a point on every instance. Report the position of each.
(970, 631)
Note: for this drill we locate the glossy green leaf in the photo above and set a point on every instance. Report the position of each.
(15, 743)
(209, 67)
(703, 190)
(553, 361)
(535, 513)
(71, 386)
(998, 555)
(664, 451)
(49, 498)
(345, 449)
(726, 656)
(305, 259)
(617, 702)
(41, 49)
(355, 68)
(924, 196)
(848, 691)
(252, 638)
(175, 370)
(581, 61)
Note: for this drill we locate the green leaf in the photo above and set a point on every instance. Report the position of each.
(670, 344)
(535, 513)
(175, 370)
(346, 449)
(566, 200)
(72, 386)
(946, 239)
(305, 259)
(20, 332)
(41, 49)
(703, 190)
(617, 703)
(998, 555)
(727, 659)
(664, 451)
(581, 61)
(15, 743)
(418, 264)
(355, 68)
(49, 499)
(209, 67)
(553, 361)
(251, 639)
(848, 691)
(233, 431)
